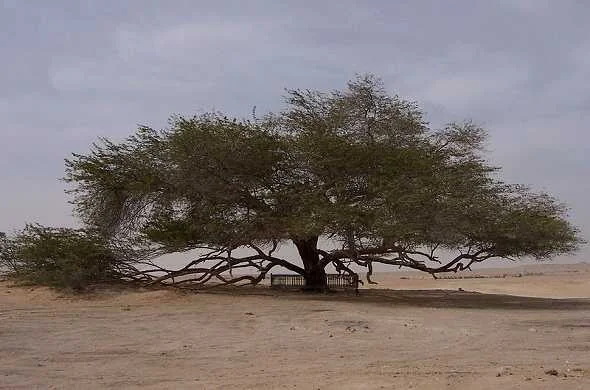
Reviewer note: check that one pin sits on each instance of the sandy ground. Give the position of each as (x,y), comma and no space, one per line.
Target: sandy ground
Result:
(410,332)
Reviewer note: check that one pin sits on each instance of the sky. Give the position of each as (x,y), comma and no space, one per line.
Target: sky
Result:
(73,71)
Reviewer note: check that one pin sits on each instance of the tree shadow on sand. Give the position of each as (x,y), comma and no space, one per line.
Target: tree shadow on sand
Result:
(469,300)
(446,299)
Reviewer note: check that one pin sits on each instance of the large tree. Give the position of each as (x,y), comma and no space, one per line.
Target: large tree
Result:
(358,167)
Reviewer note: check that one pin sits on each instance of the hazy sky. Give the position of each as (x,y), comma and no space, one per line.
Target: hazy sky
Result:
(72,71)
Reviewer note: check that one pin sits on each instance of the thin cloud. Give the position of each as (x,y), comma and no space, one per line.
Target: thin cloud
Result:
(73,71)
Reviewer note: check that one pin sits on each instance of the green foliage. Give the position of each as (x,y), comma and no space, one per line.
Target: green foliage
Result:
(358,166)
(58,257)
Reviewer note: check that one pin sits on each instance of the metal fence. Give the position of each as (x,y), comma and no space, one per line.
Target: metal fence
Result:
(344,281)
(287,281)
(333,281)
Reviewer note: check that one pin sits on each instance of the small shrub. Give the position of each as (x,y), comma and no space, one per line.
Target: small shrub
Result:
(58,257)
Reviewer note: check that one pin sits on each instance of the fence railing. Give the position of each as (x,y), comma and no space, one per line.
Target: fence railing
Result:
(333,281)
(287,281)
(344,281)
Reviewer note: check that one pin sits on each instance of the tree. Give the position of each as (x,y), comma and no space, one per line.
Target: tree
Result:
(358,167)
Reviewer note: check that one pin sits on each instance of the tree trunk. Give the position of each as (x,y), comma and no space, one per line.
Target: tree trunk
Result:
(315,276)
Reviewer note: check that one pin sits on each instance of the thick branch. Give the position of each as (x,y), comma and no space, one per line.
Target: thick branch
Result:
(402,257)
(200,271)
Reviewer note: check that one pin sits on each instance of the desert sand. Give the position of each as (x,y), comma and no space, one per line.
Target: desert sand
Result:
(505,329)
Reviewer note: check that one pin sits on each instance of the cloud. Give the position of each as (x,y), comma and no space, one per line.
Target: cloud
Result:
(182,42)
(73,71)
(527,5)
(463,87)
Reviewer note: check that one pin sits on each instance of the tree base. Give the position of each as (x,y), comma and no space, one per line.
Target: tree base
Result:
(316,289)
(316,282)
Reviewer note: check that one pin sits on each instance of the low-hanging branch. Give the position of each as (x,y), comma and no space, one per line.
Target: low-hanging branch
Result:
(213,267)
(216,269)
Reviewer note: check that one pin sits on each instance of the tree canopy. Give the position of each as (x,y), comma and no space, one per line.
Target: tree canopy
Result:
(359,167)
